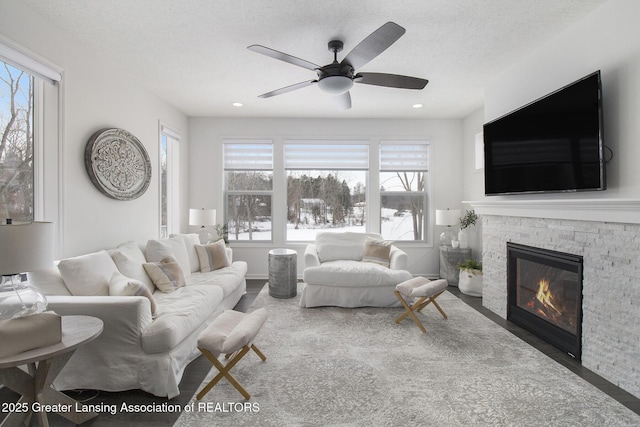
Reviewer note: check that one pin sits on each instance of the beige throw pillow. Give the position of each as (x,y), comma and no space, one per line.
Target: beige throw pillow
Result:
(213,256)
(121,285)
(166,274)
(377,251)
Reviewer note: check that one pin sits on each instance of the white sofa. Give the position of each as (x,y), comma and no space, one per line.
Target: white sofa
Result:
(341,270)
(138,350)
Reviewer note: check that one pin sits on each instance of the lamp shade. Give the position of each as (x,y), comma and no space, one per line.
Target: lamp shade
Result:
(202,217)
(25,247)
(447,216)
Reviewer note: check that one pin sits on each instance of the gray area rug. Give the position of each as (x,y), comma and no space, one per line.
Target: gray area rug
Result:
(355,367)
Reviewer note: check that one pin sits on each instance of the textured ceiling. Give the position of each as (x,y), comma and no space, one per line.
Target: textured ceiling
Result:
(193,53)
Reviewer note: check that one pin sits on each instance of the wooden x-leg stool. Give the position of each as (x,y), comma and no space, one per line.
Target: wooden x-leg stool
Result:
(231,334)
(426,291)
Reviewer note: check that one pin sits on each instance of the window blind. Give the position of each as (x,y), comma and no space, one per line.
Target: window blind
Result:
(330,156)
(248,155)
(404,157)
(29,62)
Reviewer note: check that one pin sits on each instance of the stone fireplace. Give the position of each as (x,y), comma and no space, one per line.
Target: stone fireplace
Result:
(606,235)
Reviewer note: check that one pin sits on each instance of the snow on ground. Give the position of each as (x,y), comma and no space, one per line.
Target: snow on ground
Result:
(395,226)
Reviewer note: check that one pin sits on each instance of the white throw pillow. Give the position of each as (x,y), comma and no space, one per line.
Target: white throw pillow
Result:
(121,285)
(88,274)
(129,258)
(49,281)
(190,241)
(158,250)
(340,246)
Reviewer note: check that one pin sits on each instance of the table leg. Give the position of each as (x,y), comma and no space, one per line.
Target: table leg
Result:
(37,388)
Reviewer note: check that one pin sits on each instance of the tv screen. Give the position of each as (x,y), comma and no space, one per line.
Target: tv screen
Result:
(553,144)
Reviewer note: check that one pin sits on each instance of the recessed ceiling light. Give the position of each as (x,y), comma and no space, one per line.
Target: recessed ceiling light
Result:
(237,104)
(417,105)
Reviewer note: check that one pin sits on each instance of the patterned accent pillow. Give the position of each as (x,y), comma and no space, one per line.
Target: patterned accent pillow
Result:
(121,285)
(166,274)
(377,251)
(212,256)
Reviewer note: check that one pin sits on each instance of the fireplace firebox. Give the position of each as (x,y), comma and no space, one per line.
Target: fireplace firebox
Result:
(544,293)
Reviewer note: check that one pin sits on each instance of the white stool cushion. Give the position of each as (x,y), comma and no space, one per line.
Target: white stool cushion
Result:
(421,287)
(231,331)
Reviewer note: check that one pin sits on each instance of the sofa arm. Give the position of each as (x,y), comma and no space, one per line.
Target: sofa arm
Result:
(311,258)
(124,317)
(398,259)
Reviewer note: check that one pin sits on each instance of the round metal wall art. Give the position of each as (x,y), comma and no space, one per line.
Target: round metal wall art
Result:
(118,164)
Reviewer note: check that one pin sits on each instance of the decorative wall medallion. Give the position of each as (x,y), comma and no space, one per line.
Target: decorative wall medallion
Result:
(118,164)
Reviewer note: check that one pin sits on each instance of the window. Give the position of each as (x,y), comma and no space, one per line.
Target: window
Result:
(169,180)
(403,197)
(28,114)
(16,144)
(326,183)
(248,166)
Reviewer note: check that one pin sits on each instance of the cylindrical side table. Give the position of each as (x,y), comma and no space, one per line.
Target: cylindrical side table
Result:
(449,259)
(283,273)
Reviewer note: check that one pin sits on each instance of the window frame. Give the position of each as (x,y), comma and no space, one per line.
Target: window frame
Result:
(172,185)
(405,162)
(359,151)
(250,164)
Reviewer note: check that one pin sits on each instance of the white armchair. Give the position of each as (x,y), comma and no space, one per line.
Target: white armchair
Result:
(348,270)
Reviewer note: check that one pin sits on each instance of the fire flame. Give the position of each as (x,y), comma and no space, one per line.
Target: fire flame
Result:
(544,295)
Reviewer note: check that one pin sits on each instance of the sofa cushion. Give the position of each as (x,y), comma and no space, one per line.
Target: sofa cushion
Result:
(212,256)
(157,250)
(49,281)
(166,274)
(122,285)
(226,278)
(377,251)
(190,241)
(178,315)
(348,245)
(129,258)
(353,274)
(231,331)
(88,274)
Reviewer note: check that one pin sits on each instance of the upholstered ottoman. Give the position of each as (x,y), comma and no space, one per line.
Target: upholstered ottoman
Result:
(232,334)
(425,290)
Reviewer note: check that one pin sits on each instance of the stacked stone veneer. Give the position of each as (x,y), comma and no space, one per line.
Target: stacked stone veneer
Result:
(611,284)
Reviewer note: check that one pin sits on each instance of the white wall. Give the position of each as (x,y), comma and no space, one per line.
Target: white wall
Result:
(473,179)
(607,40)
(206,189)
(97,94)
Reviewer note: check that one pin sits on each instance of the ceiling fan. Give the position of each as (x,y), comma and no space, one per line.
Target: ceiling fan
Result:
(338,77)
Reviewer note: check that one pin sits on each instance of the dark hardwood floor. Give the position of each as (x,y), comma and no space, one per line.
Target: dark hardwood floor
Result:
(198,369)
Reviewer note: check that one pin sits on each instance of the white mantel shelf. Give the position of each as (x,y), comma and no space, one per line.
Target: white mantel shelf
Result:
(603,210)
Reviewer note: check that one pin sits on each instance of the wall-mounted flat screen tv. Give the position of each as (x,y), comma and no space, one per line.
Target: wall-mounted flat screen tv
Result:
(553,144)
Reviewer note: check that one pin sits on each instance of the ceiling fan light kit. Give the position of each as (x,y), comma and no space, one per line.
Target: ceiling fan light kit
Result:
(338,78)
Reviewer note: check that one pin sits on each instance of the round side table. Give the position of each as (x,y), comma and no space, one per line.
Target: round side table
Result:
(44,364)
(283,273)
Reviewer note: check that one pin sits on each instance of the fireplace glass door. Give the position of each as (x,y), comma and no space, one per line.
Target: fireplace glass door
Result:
(545,295)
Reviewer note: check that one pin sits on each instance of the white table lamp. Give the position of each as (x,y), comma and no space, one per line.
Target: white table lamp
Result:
(447,217)
(25,247)
(203,218)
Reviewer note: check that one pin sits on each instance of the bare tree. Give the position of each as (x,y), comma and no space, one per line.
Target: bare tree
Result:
(414,182)
(16,144)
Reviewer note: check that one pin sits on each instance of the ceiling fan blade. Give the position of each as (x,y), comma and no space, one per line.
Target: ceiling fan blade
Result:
(390,80)
(372,46)
(343,101)
(287,89)
(283,57)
